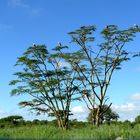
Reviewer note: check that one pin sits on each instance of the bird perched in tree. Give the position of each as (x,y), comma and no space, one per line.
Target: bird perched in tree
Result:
(59,44)
(34,44)
(136,26)
(107,27)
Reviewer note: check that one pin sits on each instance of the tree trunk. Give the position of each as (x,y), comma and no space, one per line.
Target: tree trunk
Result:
(67,121)
(98,117)
(61,124)
(93,116)
(66,124)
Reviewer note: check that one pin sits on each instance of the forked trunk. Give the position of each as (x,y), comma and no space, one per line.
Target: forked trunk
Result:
(63,124)
(60,124)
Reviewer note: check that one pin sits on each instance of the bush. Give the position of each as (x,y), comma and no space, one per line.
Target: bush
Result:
(137,119)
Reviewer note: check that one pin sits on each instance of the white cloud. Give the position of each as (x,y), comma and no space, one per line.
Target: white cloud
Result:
(127,111)
(79,109)
(18,3)
(135,97)
(80,113)
(127,107)
(25,6)
(130,109)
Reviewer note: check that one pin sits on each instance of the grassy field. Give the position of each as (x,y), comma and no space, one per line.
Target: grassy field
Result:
(42,132)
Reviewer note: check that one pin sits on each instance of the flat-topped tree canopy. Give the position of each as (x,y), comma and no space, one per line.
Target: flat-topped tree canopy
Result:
(96,64)
(52,87)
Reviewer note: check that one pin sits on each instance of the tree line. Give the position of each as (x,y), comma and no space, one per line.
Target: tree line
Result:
(80,72)
(110,117)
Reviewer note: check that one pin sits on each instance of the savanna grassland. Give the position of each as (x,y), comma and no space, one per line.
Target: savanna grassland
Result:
(79,131)
(85,77)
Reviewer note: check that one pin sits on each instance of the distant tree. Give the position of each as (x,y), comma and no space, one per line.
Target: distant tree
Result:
(96,65)
(11,118)
(36,121)
(107,115)
(50,84)
(137,119)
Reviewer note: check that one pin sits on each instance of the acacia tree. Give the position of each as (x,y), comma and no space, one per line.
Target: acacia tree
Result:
(50,84)
(95,65)
(11,118)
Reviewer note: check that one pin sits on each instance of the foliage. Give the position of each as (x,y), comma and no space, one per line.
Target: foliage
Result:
(54,80)
(137,119)
(95,65)
(52,87)
(11,119)
(107,115)
(43,129)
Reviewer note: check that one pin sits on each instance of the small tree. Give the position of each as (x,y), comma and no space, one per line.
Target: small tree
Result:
(107,115)
(50,84)
(95,65)
(137,119)
(11,118)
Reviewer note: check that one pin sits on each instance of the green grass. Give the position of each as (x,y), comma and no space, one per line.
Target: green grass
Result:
(42,132)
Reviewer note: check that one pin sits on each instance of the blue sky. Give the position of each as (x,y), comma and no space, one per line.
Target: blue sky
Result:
(24,22)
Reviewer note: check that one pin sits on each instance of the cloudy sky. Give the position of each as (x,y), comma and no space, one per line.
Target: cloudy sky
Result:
(24,22)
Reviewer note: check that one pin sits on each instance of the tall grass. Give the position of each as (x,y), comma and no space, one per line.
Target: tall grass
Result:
(44,132)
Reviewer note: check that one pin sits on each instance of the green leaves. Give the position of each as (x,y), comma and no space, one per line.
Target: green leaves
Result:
(20,90)
(50,86)
(60,47)
(54,80)
(14,82)
(84,30)
(101,61)
(11,118)
(112,33)
(83,35)
(37,49)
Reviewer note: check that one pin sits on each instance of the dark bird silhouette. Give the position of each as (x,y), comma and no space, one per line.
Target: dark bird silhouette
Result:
(59,44)
(136,26)
(34,44)
(107,27)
